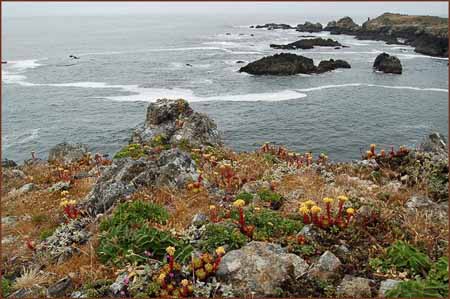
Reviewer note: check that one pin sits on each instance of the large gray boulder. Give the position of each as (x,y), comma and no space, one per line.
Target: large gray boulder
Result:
(172,168)
(175,121)
(260,268)
(387,64)
(67,153)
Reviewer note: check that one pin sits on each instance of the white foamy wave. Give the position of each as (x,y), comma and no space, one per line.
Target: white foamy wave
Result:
(152,94)
(22,65)
(166,50)
(371,85)
(412,56)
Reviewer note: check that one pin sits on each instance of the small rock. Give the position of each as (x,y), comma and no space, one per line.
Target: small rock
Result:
(59,288)
(326,267)
(21,293)
(119,284)
(417,202)
(9,220)
(26,188)
(59,186)
(387,64)
(387,285)
(199,219)
(434,143)
(67,153)
(354,287)
(310,232)
(8,163)
(8,240)
(259,268)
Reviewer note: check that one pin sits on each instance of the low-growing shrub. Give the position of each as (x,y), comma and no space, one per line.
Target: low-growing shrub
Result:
(434,286)
(127,235)
(131,213)
(406,257)
(245,196)
(217,235)
(6,287)
(269,224)
(134,151)
(45,233)
(267,195)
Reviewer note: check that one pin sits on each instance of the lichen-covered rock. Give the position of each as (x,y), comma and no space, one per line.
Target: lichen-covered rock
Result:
(354,287)
(26,188)
(60,288)
(387,285)
(326,267)
(66,153)
(176,122)
(173,168)
(59,186)
(259,268)
(60,246)
(387,64)
(434,143)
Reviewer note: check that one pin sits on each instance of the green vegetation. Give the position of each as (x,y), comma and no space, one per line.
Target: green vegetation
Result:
(220,235)
(245,196)
(127,235)
(434,286)
(6,287)
(134,151)
(267,195)
(45,233)
(407,258)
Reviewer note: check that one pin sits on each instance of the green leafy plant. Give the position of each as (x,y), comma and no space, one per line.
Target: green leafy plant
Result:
(223,234)
(267,195)
(6,287)
(127,235)
(45,233)
(269,224)
(434,286)
(406,257)
(39,219)
(134,212)
(134,151)
(245,196)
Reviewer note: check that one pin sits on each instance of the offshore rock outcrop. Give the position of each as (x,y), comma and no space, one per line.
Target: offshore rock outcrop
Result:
(309,27)
(290,64)
(343,26)
(308,44)
(272,26)
(176,122)
(387,64)
(428,34)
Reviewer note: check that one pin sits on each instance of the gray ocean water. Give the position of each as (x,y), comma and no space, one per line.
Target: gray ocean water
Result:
(127,61)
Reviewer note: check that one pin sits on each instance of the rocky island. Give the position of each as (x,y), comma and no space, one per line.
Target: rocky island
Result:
(176,213)
(427,34)
(290,64)
(308,43)
(387,64)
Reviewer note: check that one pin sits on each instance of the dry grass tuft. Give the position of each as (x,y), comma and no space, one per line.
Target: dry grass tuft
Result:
(30,278)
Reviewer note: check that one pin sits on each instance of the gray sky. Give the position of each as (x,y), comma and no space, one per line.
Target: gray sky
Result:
(21,9)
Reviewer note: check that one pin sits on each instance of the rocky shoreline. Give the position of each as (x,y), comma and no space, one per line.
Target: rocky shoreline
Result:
(427,34)
(175,213)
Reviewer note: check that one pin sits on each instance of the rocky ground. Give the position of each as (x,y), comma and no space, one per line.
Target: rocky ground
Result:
(175,213)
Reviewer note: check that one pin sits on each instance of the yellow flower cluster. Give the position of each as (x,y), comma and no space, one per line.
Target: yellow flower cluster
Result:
(65,201)
(220,250)
(170,250)
(239,203)
(342,198)
(328,200)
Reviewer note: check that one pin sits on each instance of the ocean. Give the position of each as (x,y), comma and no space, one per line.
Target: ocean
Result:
(125,62)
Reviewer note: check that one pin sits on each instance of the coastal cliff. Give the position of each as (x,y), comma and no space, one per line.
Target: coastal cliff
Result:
(176,213)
